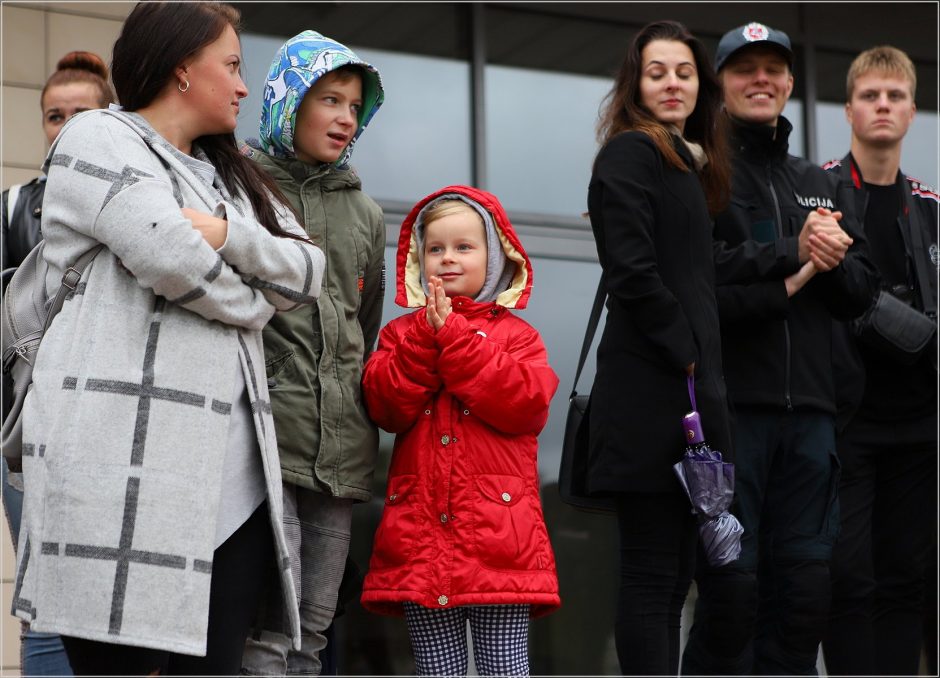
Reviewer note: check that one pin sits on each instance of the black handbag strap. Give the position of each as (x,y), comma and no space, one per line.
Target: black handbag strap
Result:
(599,299)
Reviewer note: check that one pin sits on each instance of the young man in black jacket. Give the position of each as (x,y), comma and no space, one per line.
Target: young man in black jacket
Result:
(789,257)
(888,491)
(24,234)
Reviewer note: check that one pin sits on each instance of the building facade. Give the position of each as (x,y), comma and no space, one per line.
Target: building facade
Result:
(505,96)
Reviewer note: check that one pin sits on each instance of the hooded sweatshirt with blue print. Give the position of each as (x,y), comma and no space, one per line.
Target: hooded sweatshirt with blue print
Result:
(298,64)
(314,357)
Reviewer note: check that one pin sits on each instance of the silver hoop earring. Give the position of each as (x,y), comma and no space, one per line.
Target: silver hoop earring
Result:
(180,87)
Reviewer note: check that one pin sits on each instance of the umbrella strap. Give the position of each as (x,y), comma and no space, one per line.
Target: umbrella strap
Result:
(691,381)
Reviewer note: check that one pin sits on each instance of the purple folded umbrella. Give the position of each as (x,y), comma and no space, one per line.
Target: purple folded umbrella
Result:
(709,483)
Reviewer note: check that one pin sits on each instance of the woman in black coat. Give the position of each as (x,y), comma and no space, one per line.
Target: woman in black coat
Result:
(661,171)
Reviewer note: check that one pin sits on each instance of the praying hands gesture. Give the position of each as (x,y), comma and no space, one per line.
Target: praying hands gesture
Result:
(439,305)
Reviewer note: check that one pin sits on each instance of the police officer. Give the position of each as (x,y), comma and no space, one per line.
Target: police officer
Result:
(789,258)
(888,492)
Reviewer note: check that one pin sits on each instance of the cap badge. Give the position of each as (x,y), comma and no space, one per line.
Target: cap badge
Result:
(755,31)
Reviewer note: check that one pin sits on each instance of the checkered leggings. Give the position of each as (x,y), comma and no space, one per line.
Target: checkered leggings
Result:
(439,639)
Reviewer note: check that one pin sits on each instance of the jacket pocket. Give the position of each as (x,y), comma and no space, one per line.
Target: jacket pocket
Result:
(395,538)
(506,524)
(274,365)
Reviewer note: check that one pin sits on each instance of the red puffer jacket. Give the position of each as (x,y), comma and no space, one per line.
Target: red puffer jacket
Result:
(463,522)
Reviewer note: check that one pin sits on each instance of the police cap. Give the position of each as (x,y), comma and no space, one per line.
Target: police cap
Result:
(754,33)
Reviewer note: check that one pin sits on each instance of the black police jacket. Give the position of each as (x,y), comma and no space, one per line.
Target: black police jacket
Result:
(21,231)
(775,349)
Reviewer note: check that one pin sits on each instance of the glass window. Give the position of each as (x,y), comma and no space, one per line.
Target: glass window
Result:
(833,130)
(558,285)
(419,140)
(540,139)
(553,39)
(793,112)
(436,29)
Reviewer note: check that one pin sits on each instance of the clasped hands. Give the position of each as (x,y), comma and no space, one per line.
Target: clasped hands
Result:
(822,241)
(822,247)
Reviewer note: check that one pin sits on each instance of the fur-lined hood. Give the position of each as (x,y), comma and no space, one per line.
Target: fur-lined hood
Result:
(410,290)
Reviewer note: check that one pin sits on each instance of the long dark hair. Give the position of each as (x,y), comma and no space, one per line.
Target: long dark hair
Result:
(84,67)
(622,110)
(155,39)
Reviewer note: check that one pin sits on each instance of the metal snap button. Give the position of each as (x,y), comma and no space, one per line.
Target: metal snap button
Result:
(506,496)
(443,517)
(442,600)
(393,497)
(445,439)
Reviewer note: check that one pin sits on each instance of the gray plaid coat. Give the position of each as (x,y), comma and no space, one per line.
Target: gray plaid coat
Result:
(125,428)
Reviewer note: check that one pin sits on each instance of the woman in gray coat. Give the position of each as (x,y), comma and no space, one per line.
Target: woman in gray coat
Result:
(153,493)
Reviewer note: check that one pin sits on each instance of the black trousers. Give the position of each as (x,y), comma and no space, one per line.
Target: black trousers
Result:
(240,569)
(888,496)
(766,613)
(658,537)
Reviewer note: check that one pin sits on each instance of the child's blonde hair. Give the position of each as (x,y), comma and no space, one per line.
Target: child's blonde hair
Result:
(881,59)
(447,207)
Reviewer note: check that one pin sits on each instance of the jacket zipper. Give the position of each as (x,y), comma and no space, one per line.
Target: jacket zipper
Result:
(786,323)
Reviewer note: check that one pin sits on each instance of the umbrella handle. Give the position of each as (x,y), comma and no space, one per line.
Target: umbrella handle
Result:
(691,382)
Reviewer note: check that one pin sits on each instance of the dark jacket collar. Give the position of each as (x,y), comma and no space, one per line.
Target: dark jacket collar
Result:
(761,142)
(921,273)
(851,170)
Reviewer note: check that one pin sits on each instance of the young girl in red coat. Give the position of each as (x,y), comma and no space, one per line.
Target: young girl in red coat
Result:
(465,385)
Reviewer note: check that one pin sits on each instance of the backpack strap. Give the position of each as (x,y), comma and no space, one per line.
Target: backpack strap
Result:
(69,282)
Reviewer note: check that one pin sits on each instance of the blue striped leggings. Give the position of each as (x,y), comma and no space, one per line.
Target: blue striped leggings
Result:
(500,636)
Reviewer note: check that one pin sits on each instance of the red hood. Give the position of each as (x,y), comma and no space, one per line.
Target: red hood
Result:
(409,292)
